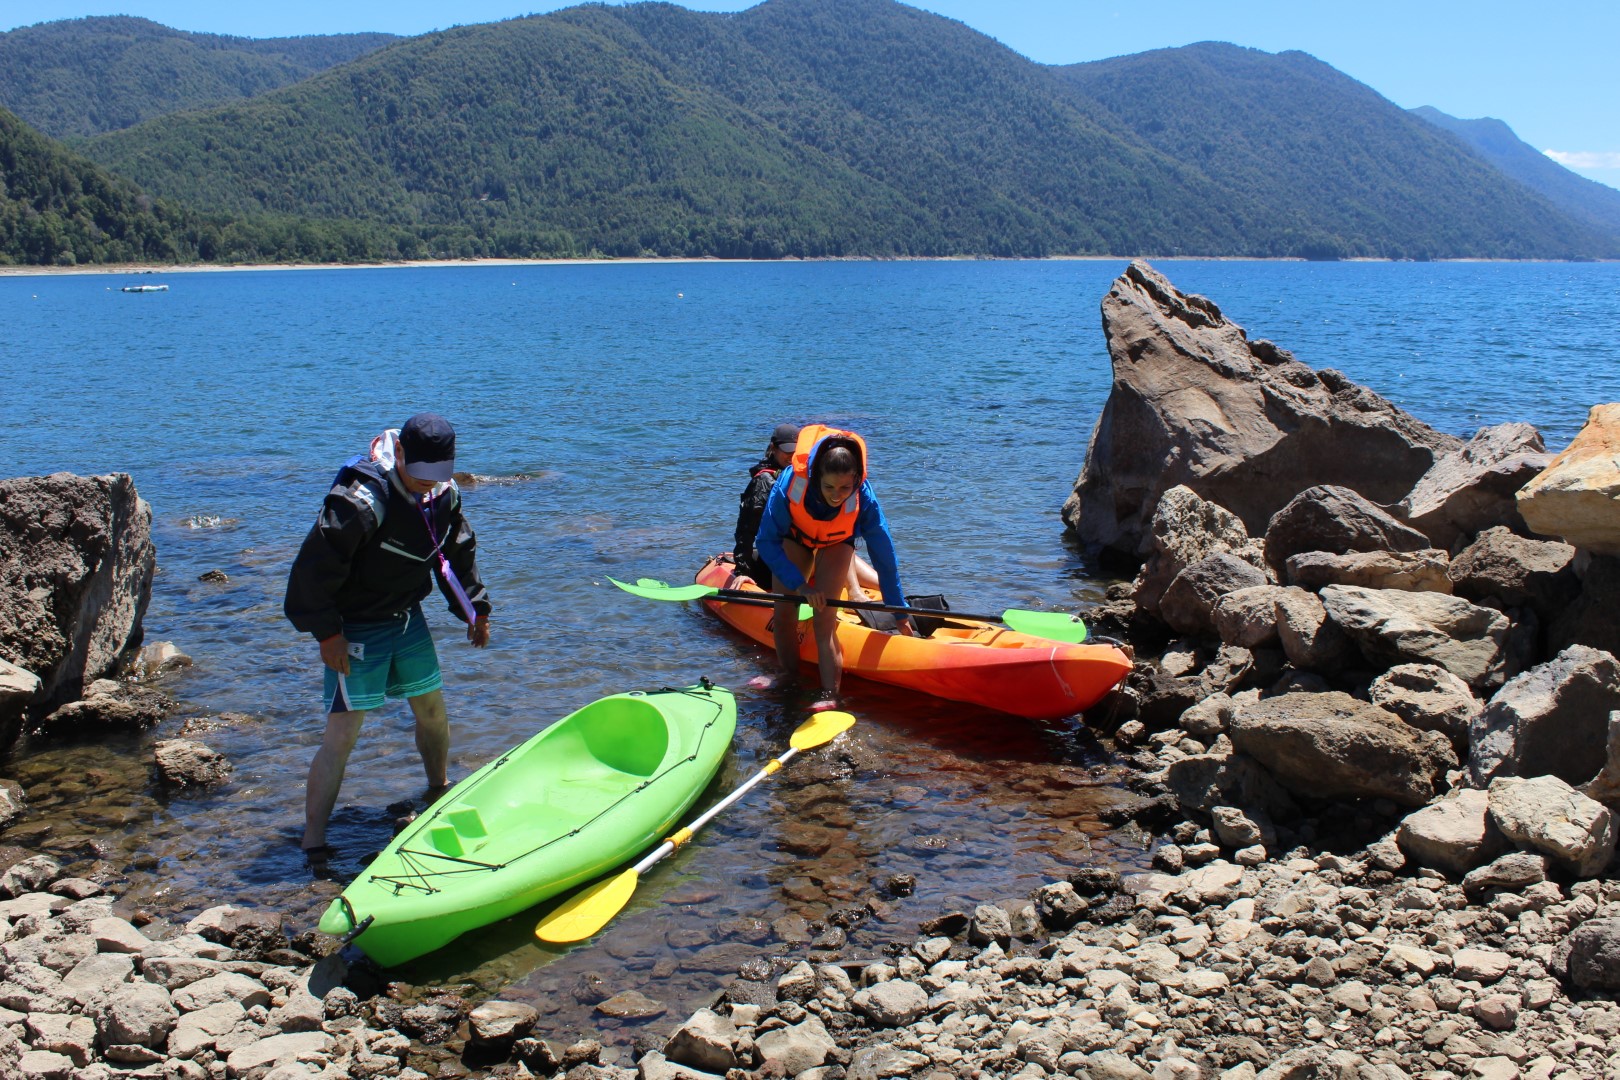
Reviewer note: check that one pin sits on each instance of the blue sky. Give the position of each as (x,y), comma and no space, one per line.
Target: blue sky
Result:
(1547,69)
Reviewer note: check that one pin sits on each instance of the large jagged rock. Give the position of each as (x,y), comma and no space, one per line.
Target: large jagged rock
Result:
(1577,497)
(1183,530)
(1473,488)
(76,565)
(1241,423)
(1327,746)
(1551,720)
(1337,520)
(1393,627)
(1506,570)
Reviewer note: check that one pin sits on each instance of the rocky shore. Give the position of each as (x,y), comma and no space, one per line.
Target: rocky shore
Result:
(1373,733)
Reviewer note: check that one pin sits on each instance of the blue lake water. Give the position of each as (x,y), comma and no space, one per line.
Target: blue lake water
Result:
(617,407)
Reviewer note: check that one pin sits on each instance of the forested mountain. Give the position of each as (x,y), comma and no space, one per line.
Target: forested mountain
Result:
(60,209)
(81,77)
(1572,193)
(838,127)
(1339,170)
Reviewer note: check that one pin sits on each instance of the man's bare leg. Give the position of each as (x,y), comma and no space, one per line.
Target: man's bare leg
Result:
(326,773)
(432,737)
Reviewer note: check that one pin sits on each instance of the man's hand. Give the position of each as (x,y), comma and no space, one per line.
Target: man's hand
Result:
(902,623)
(478,632)
(335,653)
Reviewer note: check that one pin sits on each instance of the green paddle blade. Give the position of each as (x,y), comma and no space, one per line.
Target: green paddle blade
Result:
(653,589)
(1052,625)
(589,911)
(821,728)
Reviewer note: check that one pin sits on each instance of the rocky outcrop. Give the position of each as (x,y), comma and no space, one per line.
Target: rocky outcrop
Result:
(1577,497)
(76,565)
(1327,746)
(1393,627)
(1473,488)
(1240,422)
(1551,720)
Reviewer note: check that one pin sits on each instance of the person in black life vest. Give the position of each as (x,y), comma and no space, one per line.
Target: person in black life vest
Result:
(751,509)
(815,512)
(388,527)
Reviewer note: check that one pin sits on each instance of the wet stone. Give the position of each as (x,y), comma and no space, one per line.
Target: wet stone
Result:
(631,1005)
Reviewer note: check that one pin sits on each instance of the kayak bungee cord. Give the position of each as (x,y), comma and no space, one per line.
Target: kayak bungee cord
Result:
(421,874)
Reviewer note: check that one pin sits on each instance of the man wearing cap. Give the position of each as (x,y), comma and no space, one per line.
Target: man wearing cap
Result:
(778,456)
(390,525)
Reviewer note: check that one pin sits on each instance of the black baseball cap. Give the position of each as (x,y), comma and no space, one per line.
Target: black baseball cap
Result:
(429,443)
(785,437)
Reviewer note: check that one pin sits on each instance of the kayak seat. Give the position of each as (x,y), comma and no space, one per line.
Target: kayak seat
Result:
(626,734)
(460,827)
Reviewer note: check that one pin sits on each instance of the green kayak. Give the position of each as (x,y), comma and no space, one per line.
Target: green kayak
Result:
(568,805)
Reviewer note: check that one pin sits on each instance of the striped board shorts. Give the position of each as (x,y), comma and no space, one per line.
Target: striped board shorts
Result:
(393,658)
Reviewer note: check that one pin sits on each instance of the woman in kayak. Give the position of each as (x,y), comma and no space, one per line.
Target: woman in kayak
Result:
(815,512)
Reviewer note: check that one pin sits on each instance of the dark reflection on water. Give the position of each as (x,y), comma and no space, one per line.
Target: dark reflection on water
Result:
(617,409)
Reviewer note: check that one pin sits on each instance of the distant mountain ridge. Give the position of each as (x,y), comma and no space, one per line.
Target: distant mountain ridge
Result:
(1572,193)
(816,128)
(81,77)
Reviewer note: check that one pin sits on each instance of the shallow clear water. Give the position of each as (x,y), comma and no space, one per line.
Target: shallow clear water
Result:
(616,408)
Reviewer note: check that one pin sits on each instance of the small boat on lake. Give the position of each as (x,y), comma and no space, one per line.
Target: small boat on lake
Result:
(963,659)
(597,787)
(145,288)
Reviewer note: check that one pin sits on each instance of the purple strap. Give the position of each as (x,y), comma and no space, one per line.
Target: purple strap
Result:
(449,575)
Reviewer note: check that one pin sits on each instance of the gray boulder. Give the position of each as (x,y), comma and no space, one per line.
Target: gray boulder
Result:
(76,566)
(1327,746)
(1241,423)
(1183,530)
(1551,720)
(1413,571)
(1188,605)
(1205,781)
(1604,787)
(1454,834)
(1545,814)
(1510,571)
(1428,697)
(1472,488)
(18,689)
(1594,955)
(707,1042)
(1393,627)
(1310,640)
(796,1048)
(1247,618)
(1337,520)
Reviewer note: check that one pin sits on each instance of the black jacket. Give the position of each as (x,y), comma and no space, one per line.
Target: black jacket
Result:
(751,507)
(369,555)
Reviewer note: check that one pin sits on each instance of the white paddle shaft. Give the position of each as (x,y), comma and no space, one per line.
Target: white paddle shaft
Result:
(703,819)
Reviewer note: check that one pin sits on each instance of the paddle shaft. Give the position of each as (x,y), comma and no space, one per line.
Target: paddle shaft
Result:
(668,846)
(747,596)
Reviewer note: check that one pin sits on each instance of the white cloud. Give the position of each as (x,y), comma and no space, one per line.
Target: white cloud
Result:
(1585,159)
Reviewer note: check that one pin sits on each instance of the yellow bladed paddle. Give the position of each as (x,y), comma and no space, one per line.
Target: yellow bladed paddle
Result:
(587,912)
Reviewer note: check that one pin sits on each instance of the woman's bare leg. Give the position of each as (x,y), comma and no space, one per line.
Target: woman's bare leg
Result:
(785,625)
(832,565)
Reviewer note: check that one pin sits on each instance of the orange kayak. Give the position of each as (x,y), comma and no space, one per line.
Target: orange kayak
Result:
(977,662)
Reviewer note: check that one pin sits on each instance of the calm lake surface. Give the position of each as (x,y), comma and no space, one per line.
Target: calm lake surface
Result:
(614,410)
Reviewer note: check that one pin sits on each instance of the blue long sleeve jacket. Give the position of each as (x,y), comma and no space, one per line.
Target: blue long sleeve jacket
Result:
(870,525)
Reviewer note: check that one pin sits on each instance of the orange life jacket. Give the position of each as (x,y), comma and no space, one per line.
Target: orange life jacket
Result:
(807,530)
